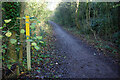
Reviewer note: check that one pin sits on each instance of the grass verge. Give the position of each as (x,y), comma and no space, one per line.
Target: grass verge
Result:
(108,48)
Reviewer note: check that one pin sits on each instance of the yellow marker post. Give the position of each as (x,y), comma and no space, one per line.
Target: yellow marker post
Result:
(27,27)
(28,43)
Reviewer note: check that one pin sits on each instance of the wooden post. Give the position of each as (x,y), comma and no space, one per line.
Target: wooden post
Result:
(28,43)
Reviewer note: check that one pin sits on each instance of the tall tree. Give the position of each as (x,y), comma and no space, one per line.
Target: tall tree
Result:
(77,14)
(21,35)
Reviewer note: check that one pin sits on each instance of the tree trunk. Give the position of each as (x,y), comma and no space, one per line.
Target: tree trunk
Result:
(12,52)
(87,17)
(21,35)
(76,15)
(0,41)
(88,20)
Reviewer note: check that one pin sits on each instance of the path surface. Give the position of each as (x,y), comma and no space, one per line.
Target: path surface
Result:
(81,60)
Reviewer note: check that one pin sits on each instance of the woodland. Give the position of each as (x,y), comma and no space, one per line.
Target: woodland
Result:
(96,23)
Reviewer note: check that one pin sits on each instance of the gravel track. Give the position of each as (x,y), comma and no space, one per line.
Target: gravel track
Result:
(81,61)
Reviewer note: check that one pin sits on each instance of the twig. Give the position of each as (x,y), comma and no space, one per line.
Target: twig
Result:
(9,69)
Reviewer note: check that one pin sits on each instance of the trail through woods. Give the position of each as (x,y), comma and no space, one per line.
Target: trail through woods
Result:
(82,61)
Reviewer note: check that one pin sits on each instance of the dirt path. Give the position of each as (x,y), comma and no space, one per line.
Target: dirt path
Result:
(81,60)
